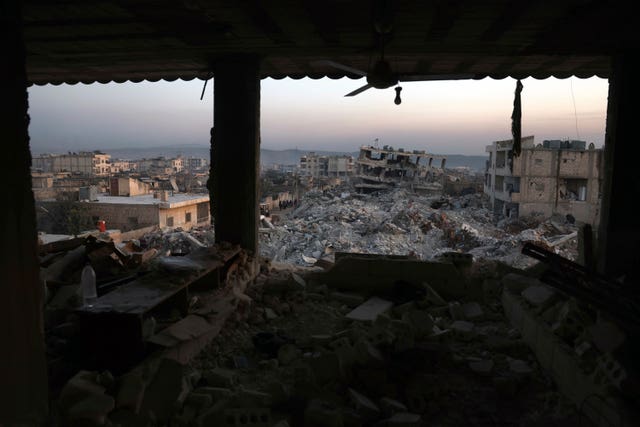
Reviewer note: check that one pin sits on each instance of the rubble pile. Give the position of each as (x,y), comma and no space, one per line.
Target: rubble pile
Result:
(402,223)
(307,354)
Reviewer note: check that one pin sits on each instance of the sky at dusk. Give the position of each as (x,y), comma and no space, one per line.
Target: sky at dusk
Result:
(442,117)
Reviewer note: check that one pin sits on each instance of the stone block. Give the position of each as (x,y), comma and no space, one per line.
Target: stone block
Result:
(432,297)
(370,309)
(81,386)
(538,295)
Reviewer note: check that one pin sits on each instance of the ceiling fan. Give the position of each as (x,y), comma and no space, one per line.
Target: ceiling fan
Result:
(381,75)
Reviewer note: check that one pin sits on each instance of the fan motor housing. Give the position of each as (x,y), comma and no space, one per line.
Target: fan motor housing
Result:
(381,77)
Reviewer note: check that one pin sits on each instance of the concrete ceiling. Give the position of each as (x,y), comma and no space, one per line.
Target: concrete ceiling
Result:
(86,41)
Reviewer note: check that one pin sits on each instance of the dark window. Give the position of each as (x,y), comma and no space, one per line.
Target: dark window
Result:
(169,221)
(187,217)
(132,220)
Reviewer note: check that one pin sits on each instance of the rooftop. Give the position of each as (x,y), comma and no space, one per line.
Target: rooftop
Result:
(173,201)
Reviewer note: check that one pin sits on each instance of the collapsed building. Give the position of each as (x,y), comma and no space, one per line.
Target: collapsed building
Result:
(407,342)
(383,168)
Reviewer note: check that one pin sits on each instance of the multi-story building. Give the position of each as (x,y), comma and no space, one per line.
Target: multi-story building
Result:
(88,163)
(555,177)
(195,163)
(316,166)
(120,166)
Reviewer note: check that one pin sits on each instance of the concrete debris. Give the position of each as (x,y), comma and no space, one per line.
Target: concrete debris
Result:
(370,309)
(538,295)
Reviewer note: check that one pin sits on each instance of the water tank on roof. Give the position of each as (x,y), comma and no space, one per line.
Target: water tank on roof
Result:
(88,193)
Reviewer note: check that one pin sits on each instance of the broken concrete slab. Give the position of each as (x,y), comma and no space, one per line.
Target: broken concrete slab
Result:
(370,309)
(378,273)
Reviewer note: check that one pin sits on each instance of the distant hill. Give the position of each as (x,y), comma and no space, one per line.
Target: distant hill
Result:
(267,156)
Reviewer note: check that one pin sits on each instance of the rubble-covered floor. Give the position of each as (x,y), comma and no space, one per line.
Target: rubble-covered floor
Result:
(283,340)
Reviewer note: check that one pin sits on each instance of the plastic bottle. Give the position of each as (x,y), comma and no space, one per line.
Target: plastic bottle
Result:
(88,284)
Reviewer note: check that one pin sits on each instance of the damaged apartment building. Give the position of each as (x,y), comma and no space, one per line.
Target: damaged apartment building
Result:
(383,168)
(555,177)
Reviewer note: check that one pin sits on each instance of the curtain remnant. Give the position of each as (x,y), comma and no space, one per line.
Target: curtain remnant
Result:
(516,121)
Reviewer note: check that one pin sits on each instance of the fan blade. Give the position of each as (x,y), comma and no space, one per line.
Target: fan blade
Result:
(340,67)
(427,77)
(360,89)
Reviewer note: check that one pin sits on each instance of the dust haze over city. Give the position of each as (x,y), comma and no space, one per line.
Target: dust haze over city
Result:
(443,117)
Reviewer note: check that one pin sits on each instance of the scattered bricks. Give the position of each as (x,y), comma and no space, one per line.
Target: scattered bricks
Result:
(320,413)
(421,321)
(348,299)
(455,310)
(402,419)
(220,377)
(91,410)
(538,295)
(216,393)
(287,353)
(130,392)
(390,406)
(462,329)
(364,406)
(254,417)
(481,367)
(472,311)
(370,309)
(166,392)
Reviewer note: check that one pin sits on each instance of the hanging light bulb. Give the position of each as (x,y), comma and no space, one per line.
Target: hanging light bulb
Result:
(398,101)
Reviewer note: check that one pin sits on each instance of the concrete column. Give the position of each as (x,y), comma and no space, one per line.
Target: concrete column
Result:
(618,239)
(23,375)
(235,151)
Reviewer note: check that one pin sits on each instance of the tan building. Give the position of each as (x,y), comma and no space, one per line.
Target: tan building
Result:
(88,163)
(555,177)
(125,186)
(313,165)
(161,208)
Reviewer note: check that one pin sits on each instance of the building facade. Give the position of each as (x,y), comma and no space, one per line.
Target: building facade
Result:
(88,163)
(315,166)
(555,177)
